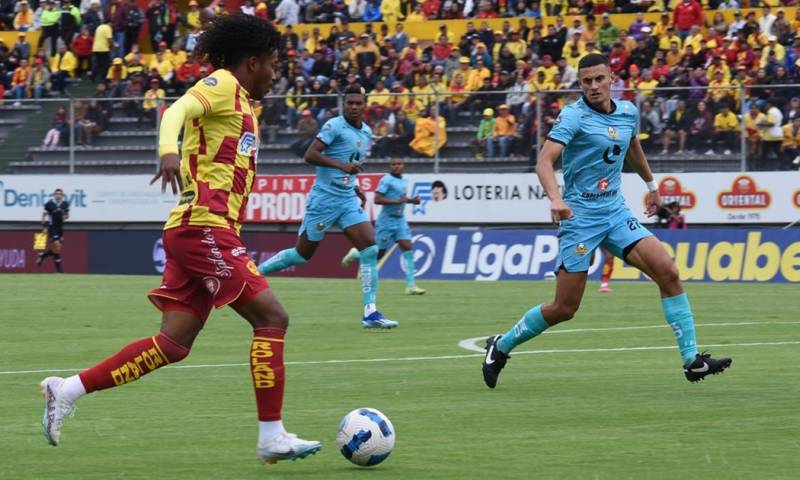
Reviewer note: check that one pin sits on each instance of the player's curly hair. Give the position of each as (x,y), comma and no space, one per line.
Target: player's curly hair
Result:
(229,39)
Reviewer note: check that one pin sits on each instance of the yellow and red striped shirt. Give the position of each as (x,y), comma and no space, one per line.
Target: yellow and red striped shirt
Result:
(219,153)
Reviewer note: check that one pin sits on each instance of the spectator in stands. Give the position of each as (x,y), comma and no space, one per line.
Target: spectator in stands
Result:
(135,66)
(81,53)
(772,136)
(135,18)
(153,103)
(19,81)
(701,129)
(400,135)
(93,17)
(726,129)
(187,75)
(428,129)
(117,76)
(287,12)
(295,101)
(753,130)
(650,126)
(790,148)
(39,79)
(161,19)
(95,121)
(687,13)
(118,13)
(23,20)
(69,21)
(133,89)
(62,66)
(607,34)
(678,123)
(50,19)
(164,67)
(307,129)
(483,138)
(21,48)
(676,220)
(101,49)
(504,133)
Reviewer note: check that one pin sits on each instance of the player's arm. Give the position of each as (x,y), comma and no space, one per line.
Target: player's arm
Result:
(361,196)
(638,162)
(380,199)
(169,169)
(314,156)
(550,153)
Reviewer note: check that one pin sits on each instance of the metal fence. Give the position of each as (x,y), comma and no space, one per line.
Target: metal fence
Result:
(697,128)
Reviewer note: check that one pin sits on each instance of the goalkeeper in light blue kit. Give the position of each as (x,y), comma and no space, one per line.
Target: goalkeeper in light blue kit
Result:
(391,226)
(593,137)
(335,199)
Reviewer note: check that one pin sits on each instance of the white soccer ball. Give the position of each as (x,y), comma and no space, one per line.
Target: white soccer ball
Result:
(365,437)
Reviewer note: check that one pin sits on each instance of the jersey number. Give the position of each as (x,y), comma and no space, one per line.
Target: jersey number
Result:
(633,224)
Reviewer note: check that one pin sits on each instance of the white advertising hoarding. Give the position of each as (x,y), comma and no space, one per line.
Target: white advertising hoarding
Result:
(721,198)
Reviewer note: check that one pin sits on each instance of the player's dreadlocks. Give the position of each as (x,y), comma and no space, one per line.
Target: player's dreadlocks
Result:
(229,39)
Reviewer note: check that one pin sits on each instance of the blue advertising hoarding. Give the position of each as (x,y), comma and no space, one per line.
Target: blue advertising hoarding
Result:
(717,255)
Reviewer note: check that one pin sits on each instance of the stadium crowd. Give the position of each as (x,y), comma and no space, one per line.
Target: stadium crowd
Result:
(728,73)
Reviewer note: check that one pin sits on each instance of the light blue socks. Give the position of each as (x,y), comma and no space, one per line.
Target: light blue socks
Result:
(530,325)
(281,261)
(679,316)
(409,267)
(368,269)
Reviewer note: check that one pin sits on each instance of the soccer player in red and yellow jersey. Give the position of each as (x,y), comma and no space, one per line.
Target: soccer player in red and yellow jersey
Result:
(207,263)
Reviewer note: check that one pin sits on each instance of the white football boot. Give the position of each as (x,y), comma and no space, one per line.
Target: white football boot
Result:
(286,446)
(56,408)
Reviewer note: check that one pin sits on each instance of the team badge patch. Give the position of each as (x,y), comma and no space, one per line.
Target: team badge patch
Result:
(320,226)
(612,133)
(247,144)
(210,81)
(580,249)
(602,185)
(211,284)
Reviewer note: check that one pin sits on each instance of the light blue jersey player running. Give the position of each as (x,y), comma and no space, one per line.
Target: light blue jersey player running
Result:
(593,137)
(338,152)
(391,226)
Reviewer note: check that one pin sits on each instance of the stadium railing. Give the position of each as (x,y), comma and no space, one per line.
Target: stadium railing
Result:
(105,135)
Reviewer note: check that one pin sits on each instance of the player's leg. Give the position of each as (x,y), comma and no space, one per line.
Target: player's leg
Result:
(569,292)
(362,237)
(637,246)
(180,325)
(57,254)
(404,243)
(269,321)
(298,255)
(608,270)
(47,253)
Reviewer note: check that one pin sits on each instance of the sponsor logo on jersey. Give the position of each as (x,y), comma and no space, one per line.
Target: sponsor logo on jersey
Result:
(602,184)
(210,81)
(744,194)
(247,144)
(238,251)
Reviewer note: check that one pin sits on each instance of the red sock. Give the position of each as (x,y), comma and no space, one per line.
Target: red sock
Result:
(139,358)
(608,269)
(269,375)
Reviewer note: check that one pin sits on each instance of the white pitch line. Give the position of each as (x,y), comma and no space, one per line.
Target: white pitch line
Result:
(433,358)
(469,343)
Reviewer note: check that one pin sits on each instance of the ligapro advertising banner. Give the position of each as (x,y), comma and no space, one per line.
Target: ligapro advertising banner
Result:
(723,198)
(717,255)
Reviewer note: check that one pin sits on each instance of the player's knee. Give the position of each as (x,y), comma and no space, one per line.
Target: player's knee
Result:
(171,348)
(669,276)
(564,311)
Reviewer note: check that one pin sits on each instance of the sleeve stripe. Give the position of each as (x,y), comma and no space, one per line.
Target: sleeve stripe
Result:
(199,96)
(555,140)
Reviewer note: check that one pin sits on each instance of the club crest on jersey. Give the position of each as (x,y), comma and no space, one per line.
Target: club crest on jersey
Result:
(320,226)
(612,133)
(211,284)
(210,81)
(247,144)
(581,249)
(602,185)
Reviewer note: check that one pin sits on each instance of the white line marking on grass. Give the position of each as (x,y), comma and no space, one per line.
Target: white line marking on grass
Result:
(469,343)
(431,358)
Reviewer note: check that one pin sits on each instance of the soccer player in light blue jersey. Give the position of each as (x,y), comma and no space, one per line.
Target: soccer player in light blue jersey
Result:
(593,136)
(337,152)
(391,226)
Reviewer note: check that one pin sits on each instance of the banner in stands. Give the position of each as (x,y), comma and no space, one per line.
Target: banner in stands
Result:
(717,255)
(18,256)
(715,198)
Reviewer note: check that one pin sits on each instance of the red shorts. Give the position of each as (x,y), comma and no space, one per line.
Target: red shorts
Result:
(206,267)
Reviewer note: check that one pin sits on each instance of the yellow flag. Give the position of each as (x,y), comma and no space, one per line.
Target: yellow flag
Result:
(40,240)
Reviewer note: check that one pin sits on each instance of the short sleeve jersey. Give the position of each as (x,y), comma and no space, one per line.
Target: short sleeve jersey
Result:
(345,143)
(392,188)
(219,152)
(56,211)
(595,145)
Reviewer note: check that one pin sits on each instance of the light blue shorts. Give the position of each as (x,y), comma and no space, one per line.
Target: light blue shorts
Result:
(579,236)
(324,211)
(390,231)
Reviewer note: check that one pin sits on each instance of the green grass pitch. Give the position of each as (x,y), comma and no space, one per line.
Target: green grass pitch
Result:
(597,406)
